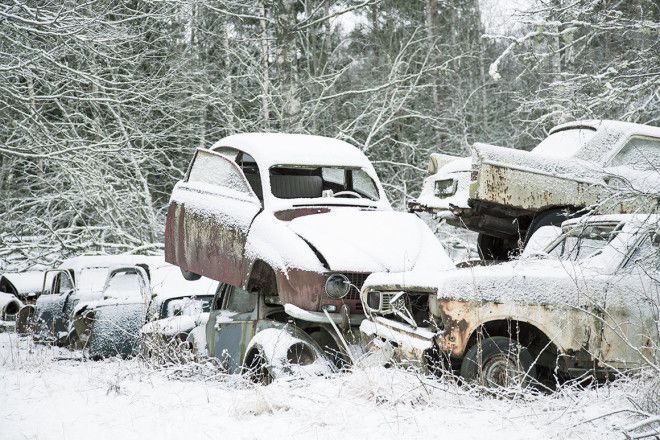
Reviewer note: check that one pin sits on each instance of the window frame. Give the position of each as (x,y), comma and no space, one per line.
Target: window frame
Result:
(249,193)
(619,149)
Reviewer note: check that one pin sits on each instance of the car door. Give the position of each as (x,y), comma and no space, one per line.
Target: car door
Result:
(50,306)
(209,218)
(630,329)
(231,325)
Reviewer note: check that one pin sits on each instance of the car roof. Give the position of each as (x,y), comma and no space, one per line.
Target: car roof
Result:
(23,282)
(111,261)
(612,126)
(270,149)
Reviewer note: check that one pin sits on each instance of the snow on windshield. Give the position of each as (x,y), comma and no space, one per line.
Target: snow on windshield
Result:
(91,279)
(124,286)
(584,242)
(565,143)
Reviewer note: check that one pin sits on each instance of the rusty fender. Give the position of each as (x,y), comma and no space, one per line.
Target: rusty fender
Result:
(571,330)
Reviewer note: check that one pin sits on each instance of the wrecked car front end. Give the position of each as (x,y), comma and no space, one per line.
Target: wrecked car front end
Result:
(401,318)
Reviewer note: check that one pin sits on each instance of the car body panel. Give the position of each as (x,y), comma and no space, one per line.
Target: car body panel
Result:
(598,174)
(599,312)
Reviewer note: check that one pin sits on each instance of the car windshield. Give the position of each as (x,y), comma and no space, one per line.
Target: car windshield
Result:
(584,242)
(565,143)
(289,182)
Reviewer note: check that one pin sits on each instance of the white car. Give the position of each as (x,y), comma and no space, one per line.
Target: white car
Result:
(447,187)
(587,302)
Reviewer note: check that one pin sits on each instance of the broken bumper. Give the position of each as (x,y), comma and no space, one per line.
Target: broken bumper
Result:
(320,317)
(410,344)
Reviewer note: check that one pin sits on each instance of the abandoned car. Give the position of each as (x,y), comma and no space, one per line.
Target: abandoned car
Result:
(112,325)
(176,308)
(588,303)
(609,165)
(446,187)
(78,279)
(300,218)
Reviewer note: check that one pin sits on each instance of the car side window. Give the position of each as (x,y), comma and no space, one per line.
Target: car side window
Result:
(239,301)
(642,153)
(214,169)
(251,172)
(219,296)
(62,283)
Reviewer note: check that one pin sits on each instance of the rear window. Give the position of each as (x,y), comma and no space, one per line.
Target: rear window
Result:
(565,143)
(314,182)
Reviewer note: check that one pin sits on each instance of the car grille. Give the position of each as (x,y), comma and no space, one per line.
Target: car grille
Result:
(356,280)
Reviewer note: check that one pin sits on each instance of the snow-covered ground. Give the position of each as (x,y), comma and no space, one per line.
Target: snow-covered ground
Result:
(49,393)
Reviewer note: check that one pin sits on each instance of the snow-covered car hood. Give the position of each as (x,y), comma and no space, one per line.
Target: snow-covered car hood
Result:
(173,325)
(526,281)
(372,241)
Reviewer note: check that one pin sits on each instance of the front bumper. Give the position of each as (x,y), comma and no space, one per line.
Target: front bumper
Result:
(410,343)
(320,317)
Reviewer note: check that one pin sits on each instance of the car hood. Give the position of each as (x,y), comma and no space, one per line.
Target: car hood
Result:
(538,281)
(372,241)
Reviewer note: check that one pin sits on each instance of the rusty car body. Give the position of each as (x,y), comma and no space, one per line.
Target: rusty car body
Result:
(589,303)
(579,167)
(298,217)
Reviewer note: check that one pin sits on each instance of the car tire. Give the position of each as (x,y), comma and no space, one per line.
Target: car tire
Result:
(25,320)
(190,276)
(498,361)
(256,367)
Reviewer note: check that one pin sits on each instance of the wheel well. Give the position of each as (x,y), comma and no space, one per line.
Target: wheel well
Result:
(262,278)
(542,349)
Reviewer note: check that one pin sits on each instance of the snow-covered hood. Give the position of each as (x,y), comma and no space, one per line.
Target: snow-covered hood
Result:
(525,281)
(372,241)
(175,324)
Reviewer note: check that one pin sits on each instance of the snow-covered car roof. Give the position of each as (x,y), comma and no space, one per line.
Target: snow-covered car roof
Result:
(610,125)
(83,261)
(270,149)
(22,283)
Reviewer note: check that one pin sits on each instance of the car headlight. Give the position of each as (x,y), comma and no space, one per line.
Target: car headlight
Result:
(337,286)
(373,300)
(445,187)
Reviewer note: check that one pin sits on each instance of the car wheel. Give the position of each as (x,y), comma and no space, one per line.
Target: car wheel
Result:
(256,367)
(25,322)
(281,352)
(498,362)
(190,276)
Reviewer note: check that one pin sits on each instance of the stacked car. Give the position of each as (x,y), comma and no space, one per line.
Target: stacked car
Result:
(283,255)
